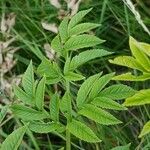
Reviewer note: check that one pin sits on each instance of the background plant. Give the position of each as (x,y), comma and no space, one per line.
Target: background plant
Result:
(140,62)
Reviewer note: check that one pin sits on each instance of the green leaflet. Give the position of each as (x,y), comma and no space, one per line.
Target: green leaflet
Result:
(46,67)
(129,77)
(117,92)
(50,70)
(67,65)
(39,127)
(63,30)
(145,130)
(28,80)
(13,141)
(98,115)
(99,85)
(71,76)
(77,18)
(145,48)
(128,61)
(85,89)
(40,94)
(54,107)
(140,98)
(82,131)
(21,95)
(65,104)
(139,54)
(83,27)
(50,80)
(82,41)
(3,113)
(105,102)
(27,113)
(125,147)
(86,56)
(56,45)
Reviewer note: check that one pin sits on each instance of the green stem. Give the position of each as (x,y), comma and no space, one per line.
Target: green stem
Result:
(68,140)
(68,136)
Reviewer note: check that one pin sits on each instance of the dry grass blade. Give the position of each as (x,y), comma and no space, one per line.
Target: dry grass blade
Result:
(50,27)
(136,14)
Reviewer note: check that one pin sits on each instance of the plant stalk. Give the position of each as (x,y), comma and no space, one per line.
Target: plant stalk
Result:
(68,140)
